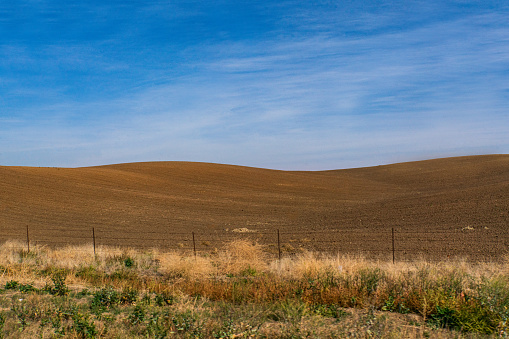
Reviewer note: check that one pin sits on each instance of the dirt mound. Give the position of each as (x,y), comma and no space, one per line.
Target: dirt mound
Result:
(150,201)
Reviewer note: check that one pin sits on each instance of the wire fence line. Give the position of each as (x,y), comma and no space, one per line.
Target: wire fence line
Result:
(399,243)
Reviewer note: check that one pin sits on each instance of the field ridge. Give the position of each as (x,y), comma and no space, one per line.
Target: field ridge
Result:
(440,194)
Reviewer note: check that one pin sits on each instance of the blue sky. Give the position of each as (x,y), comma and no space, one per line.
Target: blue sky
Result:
(301,85)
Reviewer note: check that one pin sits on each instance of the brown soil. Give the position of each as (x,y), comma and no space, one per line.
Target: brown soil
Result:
(438,208)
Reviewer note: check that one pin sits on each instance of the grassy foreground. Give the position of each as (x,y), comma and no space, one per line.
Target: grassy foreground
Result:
(238,292)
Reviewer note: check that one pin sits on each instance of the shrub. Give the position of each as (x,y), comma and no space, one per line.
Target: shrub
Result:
(476,318)
(105,297)
(59,287)
(444,317)
(11,285)
(128,296)
(128,262)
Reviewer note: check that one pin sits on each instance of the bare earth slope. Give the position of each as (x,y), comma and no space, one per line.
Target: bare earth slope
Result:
(171,197)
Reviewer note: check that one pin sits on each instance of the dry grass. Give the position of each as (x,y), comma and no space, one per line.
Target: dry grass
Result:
(234,258)
(175,265)
(309,265)
(321,295)
(240,255)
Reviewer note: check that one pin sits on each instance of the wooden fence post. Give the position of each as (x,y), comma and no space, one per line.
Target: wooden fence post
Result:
(278,245)
(194,247)
(93,238)
(393,255)
(28,241)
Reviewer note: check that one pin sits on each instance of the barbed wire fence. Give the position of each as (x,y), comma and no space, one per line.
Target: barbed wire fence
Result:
(398,244)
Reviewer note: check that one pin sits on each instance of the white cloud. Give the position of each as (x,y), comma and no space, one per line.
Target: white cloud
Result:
(318,101)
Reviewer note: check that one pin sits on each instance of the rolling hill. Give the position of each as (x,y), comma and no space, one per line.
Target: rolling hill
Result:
(159,197)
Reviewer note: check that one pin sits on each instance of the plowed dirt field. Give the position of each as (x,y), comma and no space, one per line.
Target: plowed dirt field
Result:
(437,208)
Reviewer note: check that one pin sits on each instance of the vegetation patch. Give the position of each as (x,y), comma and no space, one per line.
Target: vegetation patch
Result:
(299,297)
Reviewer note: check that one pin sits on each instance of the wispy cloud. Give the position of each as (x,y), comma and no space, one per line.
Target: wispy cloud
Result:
(320,99)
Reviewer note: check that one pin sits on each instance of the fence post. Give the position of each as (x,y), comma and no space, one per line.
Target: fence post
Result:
(93,237)
(194,246)
(278,245)
(393,256)
(28,241)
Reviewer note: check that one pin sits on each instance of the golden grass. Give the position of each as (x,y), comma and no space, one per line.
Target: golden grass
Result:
(308,265)
(243,273)
(176,265)
(233,259)
(240,255)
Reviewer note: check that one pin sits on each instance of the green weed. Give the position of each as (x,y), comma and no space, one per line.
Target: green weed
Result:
(59,287)
(330,311)
(106,297)
(83,326)
(11,285)
(128,296)
(128,262)
(137,316)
